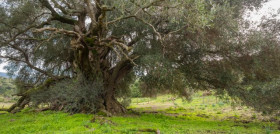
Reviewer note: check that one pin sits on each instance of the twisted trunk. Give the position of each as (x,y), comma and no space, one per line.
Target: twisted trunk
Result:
(96,66)
(108,102)
(92,58)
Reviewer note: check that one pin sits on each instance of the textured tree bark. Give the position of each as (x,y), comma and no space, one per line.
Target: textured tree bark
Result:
(108,103)
(111,103)
(91,68)
(92,58)
(19,105)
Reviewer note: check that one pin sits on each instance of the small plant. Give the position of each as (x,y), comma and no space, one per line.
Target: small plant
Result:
(236,116)
(268,130)
(221,104)
(181,108)
(2,99)
(234,131)
(254,116)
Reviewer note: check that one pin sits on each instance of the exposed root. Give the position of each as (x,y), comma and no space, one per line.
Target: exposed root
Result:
(102,120)
(156,131)
(3,109)
(21,103)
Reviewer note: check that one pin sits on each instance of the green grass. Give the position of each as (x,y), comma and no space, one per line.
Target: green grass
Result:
(210,106)
(160,113)
(58,122)
(44,122)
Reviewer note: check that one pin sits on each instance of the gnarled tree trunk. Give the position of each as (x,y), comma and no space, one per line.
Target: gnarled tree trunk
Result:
(108,102)
(96,66)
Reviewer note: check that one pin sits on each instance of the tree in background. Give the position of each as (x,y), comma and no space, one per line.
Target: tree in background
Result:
(7,88)
(80,56)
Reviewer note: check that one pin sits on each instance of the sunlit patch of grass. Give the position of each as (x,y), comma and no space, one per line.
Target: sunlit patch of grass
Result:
(45,122)
(58,122)
(217,108)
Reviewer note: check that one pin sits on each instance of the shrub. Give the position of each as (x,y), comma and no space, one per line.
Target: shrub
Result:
(69,95)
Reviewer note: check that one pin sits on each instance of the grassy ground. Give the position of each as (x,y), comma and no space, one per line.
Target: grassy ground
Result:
(161,114)
(208,106)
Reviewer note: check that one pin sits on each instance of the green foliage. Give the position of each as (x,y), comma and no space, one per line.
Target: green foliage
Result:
(7,87)
(135,89)
(262,96)
(69,95)
(182,46)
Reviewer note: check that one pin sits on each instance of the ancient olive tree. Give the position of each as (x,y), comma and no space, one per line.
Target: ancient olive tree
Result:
(81,55)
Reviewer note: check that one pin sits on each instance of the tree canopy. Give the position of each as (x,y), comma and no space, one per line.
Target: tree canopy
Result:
(80,56)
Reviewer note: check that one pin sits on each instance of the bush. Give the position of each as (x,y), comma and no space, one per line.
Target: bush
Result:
(69,95)
(135,90)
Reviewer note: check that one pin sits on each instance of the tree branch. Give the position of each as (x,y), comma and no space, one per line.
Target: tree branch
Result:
(154,29)
(62,9)
(120,18)
(56,16)
(75,43)
(91,12)
(27,61)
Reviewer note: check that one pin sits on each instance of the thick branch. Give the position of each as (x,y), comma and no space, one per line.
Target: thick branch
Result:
(91,12)
(55,15)
(121,69)
(62,9)
(62,31)
(58,31)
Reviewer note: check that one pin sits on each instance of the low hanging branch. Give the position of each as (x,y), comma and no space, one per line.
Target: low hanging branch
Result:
(25,96)
(3,109)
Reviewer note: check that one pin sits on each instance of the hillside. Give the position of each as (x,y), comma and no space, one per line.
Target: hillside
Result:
(2,74)
(6,86)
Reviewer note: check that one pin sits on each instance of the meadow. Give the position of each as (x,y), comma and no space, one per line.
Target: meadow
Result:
(164,114)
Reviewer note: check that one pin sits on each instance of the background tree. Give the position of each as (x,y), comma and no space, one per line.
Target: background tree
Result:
(80,56)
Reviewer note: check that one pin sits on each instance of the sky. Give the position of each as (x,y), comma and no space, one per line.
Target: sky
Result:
(273,6)
(1,68)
